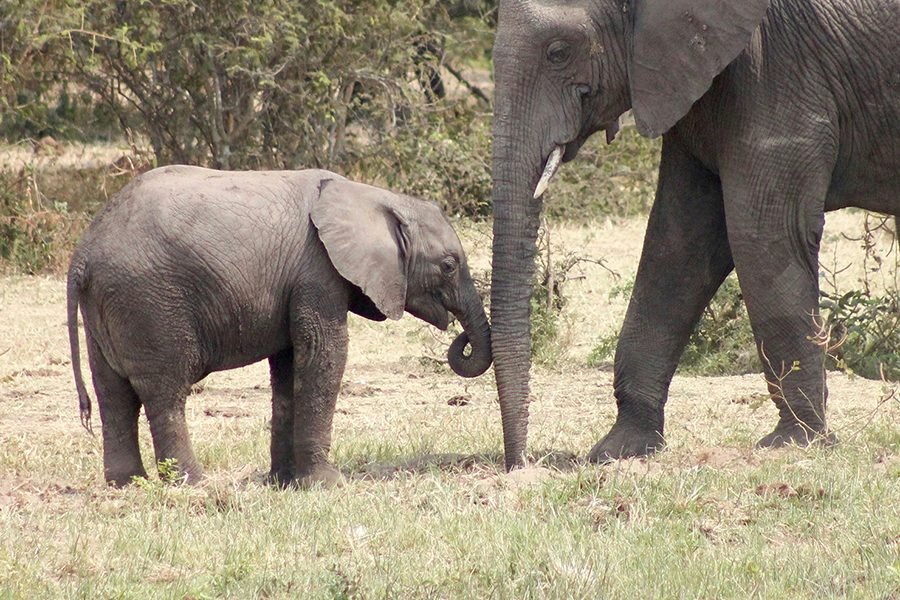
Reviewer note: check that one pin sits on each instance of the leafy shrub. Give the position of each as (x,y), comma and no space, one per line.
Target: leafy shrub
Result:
(722,342)
(247,84)
(864,332)
(861,327)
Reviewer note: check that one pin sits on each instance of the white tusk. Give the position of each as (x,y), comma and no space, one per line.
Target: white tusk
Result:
(549,171)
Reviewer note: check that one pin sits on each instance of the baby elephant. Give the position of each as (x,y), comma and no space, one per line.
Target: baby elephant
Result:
(188,271)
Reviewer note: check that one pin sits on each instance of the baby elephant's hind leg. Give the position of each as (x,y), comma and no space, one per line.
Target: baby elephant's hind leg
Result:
(281,370)
(119,411)
(164,404)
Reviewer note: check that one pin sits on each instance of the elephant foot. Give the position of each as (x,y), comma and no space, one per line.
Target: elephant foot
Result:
(798,434)
(623,441)
(121,478)
(320,474)
(280,478)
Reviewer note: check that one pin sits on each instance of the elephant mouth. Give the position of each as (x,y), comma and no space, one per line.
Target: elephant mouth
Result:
(566,151)
(572,148)
(436,316)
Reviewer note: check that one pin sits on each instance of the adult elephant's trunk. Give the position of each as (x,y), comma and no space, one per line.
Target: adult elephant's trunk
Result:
(517,167)
(476,334)
(532,124)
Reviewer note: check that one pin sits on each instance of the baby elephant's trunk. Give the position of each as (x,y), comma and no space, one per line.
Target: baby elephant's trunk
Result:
(476,335)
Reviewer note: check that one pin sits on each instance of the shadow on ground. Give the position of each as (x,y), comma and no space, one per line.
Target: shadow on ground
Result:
(558,460)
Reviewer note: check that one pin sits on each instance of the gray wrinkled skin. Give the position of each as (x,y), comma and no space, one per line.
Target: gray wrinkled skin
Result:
(771,115)
(188,271)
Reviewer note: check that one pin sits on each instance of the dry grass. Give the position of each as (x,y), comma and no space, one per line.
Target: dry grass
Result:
(426,511)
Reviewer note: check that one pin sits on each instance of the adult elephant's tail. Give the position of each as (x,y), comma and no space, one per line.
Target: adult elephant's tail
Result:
(73,288)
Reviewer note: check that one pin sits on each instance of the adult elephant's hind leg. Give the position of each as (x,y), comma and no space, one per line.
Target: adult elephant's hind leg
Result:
(684,261)
(775,228)
(119,411)
(281,372)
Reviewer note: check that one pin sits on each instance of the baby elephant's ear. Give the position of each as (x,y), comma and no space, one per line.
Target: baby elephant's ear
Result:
(366,239)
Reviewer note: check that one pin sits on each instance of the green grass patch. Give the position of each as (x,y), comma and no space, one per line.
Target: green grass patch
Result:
(791,526)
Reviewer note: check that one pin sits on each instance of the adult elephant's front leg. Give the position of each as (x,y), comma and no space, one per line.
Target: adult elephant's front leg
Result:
(320,354)
(775,223)
(684,261)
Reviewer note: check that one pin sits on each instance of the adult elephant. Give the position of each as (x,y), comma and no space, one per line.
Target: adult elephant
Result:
(771,114)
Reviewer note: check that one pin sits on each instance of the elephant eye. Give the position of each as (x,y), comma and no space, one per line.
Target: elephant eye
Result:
(559,52)
(448,266)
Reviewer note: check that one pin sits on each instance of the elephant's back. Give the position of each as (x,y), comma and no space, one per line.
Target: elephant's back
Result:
(199,209)
(191,248)
(179,225)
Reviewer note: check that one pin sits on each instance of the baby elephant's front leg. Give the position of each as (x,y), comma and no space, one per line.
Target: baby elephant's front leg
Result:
(320,354)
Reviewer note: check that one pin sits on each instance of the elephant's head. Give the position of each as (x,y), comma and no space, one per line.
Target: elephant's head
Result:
(403,254)
(565,69)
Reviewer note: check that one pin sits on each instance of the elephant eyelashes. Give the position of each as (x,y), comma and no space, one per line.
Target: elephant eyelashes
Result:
(448,266)
(559,53)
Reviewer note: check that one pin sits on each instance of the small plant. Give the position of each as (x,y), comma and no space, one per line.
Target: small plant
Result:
(605,350)
(722,342)
(861,327)
(864,333)
(544,329)
(547,300)
(168,471)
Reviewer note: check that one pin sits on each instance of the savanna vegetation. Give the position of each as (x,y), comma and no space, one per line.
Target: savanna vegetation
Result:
(93,92)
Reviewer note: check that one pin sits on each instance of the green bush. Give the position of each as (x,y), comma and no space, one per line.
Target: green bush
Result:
(246,83)
(864,333)
(722,342)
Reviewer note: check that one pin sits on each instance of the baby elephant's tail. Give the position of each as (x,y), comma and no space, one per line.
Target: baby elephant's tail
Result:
(73,287)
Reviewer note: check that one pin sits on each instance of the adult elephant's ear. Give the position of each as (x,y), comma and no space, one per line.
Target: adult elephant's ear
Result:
(679,47)
(367,240)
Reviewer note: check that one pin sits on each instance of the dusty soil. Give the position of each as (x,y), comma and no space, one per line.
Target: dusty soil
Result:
(397,377)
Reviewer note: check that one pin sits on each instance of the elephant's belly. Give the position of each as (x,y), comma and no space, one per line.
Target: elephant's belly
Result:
(876,189)
(242,346)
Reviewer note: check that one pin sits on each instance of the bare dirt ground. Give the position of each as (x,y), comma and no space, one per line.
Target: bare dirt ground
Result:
(397,379)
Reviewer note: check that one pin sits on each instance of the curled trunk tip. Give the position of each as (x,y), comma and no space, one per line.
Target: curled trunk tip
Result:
(471,365)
